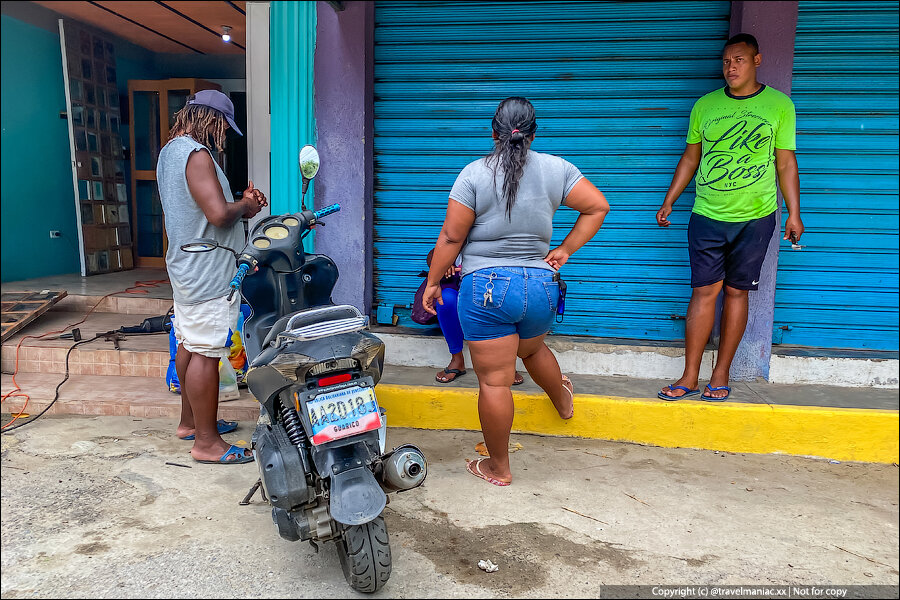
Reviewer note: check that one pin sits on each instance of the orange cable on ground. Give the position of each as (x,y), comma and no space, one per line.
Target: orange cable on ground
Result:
(15,393)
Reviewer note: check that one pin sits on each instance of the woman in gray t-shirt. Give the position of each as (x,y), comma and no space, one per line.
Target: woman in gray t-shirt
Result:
(500,216)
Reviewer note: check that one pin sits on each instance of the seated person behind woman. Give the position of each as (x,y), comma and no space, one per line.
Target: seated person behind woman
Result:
(448,319)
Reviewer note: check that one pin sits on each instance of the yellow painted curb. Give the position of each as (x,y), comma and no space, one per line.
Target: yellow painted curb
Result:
(866,435)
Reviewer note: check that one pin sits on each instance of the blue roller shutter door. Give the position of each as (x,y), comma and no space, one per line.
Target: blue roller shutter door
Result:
(613,84)
(841,290)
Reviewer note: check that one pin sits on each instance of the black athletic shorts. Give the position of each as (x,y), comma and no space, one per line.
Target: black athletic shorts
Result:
(733,252)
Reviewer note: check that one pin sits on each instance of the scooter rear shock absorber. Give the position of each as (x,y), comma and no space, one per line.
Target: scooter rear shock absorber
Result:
(294,428)
(292,425)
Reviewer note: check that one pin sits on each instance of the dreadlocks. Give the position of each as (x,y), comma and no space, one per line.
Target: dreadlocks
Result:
(201,123)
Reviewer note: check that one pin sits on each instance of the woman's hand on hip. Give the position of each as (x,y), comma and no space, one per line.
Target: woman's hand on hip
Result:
(432,292)
(557,257)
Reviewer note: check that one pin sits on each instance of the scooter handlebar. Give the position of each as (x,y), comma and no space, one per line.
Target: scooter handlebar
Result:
(324,212)
(238,279)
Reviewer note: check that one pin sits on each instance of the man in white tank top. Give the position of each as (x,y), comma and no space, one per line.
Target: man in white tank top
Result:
(198,203)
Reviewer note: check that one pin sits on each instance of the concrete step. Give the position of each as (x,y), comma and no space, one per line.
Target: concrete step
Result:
(126,304)
(136,355)
(661,360)
(148,355)
(144,397)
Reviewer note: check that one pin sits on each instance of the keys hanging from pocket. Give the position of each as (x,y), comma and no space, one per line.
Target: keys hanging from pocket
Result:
(489,291)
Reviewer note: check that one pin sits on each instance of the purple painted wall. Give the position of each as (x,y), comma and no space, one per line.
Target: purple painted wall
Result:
(774,25)
(343,81)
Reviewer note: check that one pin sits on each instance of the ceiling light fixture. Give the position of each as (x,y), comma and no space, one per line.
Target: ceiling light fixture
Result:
(226,33)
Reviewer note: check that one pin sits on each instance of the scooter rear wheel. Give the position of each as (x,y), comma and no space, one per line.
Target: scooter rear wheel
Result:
(365,554)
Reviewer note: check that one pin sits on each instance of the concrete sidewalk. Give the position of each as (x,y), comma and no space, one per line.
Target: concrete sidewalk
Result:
(857,424)
(90,509)
(126,377)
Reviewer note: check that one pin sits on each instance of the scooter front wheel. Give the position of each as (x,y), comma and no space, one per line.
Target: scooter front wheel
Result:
(365,554)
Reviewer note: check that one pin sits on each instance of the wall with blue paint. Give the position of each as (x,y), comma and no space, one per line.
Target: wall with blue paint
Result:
(343,107)
(37,189)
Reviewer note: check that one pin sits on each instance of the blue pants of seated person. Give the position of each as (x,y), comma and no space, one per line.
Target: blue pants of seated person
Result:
(448,319)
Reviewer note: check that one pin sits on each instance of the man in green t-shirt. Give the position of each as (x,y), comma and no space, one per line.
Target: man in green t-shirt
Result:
(740,139)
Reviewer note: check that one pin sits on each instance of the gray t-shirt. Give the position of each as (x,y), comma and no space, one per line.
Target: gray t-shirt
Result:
(523,241)
(195,276)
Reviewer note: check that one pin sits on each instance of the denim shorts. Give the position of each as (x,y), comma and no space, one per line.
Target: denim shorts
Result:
(500,301)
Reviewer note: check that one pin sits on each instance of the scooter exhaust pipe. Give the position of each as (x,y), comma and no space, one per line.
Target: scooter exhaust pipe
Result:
(403,469)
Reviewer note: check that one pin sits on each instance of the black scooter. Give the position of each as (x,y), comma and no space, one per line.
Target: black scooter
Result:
(320,439)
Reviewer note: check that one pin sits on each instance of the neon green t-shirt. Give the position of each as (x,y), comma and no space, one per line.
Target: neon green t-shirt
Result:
(736,179)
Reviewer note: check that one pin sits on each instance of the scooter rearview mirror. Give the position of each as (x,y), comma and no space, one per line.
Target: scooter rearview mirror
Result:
(309,166)
(309,162)
(204,245)
(200,245)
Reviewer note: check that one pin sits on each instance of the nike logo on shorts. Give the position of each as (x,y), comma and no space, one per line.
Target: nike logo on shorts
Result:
(755,283)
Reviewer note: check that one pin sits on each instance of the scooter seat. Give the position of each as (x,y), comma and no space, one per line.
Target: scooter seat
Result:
(309,316)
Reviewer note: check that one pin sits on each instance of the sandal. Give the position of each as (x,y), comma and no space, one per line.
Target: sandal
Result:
(474,467)
(687,392)
(455,372)
(710,398)
(571,389)
(237,452)
(518,379)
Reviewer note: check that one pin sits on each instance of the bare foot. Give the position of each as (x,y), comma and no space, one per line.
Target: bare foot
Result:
(518,379)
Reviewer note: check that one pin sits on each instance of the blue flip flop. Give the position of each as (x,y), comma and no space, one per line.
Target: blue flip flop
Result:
(716,389)
(236,451)
(687,392)
(222,426)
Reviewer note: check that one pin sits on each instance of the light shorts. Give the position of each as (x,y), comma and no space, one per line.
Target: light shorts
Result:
(203,328)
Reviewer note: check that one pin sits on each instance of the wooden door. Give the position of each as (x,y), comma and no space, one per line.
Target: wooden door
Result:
(152,106)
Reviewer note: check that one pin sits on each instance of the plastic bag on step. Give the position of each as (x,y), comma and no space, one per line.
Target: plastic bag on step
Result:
(237,356)
(171,375)
(228,387)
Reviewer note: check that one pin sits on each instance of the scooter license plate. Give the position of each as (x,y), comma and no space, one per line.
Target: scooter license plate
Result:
(345,412)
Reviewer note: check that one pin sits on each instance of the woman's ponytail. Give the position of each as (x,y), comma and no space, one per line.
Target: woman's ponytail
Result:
(514,124)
